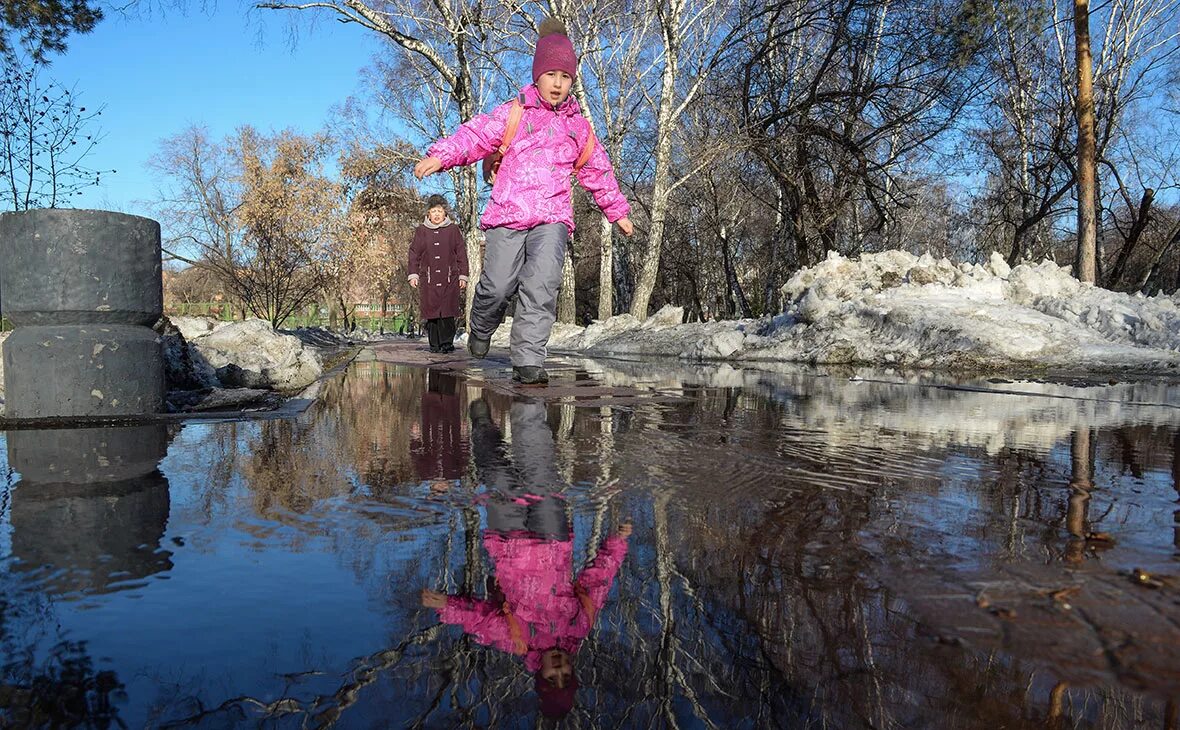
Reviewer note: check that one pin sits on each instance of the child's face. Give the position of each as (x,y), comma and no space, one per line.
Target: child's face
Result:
(437,215)
(556,668)
(555,86)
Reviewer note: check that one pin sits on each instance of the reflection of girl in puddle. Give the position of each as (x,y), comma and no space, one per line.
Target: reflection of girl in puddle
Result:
(536,608)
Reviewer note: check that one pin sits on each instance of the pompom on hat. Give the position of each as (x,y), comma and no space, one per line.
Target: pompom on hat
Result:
(555,52)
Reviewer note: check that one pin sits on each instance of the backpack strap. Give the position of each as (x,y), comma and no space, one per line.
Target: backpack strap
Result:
(491,163)
(519,645)
(514,116)
(587,150)
(587,604)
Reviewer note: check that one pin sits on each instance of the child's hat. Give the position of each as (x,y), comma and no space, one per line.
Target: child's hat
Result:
(555,52)
(554,702)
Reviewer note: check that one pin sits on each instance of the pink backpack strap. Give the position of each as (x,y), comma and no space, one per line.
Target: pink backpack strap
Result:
(587,604)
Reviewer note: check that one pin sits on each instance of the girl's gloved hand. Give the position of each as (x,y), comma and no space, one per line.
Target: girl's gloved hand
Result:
(433,599)
(427,166)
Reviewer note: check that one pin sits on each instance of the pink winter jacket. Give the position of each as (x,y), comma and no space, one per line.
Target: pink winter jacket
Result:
(533,184)
(535,576)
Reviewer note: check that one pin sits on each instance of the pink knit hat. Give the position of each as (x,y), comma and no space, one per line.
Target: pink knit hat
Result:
(554,51)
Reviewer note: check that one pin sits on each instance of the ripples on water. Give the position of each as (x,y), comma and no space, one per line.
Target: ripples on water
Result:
(807,552)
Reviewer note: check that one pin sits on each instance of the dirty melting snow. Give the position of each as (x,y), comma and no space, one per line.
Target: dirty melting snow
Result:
(897,309)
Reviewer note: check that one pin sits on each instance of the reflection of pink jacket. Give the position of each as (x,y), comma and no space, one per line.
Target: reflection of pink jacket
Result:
(548,610)
(533,184)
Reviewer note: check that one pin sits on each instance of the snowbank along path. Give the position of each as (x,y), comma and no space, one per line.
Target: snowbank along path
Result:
(897,309)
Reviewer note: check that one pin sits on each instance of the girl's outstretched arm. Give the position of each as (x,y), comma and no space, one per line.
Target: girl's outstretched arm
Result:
(598,177)
(483,620)
(473,140)
(598,576)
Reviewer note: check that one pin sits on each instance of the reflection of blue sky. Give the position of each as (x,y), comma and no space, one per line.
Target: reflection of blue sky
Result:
(238,604)
(7,479)
(955,517)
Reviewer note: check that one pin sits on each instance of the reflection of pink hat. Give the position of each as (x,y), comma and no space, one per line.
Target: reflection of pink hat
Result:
(555,702)
(555,52)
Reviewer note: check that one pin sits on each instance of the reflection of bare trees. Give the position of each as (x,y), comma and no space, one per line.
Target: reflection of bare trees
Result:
(774,579)
(358,434)
(1080,483)
(62,690)
(778,566)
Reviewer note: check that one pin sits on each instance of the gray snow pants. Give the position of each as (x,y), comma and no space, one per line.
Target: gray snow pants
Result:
(528,264)
(523,471)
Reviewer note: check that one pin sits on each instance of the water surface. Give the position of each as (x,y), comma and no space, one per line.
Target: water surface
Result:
(807,551)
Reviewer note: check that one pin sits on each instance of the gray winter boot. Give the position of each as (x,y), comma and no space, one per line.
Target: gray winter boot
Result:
(530,375)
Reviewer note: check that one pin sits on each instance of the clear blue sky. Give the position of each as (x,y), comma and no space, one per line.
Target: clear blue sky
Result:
(222,68)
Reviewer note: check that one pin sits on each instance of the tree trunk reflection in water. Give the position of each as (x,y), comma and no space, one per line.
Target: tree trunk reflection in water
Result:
(671,649)
(1058,716)
(1081,483)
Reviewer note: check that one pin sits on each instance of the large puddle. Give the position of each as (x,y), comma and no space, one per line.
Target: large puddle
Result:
(804,550)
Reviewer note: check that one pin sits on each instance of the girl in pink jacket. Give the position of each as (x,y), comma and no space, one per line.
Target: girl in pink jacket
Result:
(536,608)
(530,217)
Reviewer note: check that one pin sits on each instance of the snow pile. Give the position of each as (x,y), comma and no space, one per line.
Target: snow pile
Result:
(897,309)
(193,327)
(251,354)
(563,333)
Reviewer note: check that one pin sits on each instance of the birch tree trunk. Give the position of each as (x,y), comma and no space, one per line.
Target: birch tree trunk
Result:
(606,269)
(468,205)
(443,52)
(1087,145)
(687,34)
(662,184)
(567,306)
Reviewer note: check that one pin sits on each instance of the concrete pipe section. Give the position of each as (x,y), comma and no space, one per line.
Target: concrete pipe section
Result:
(83,288)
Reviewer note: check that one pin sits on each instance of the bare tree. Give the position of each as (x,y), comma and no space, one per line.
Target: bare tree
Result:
(45,136)
(443,45)
(694,36)
(1139,160)
(191,285)
(258,212)
(1026,129)
(199,195)
(846,105)
(383,212)
(1023,130)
